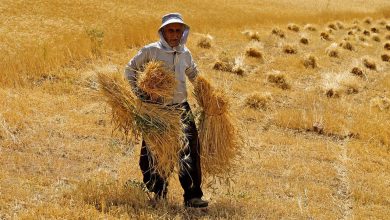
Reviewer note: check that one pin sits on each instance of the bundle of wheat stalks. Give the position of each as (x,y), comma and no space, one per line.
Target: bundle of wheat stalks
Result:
(160,126)
(219,138)
(157,81)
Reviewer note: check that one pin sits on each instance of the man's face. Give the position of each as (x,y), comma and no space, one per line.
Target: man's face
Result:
(172,33)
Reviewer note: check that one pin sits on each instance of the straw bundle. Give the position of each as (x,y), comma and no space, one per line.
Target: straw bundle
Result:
(253,52)
(332,26)
(278,79)
(367,32)
(329,30)
(375,37)
(205,41)
(332,50)
(346,45)
(369,63)
(304,40)
(310,27)
(357,28)
(310,61)
(325,36)
(335,85)
(382,22)
(157,81)
(160,127)
(218,136)
(290,49)
(374,30)
(223,65)
(362,38)
(259,101)
(228,64)
(357,71)
(367,20)
(293,27)
(252,35)
(387,45)
(278,32)
(340,25)
(385,57)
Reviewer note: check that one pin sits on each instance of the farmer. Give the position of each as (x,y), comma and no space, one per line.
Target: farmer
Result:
(172,51)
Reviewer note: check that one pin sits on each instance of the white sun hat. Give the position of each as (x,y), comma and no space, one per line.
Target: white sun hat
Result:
(172,18)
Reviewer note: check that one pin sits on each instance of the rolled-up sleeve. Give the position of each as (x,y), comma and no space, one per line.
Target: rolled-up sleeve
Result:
(192,70)
(135,65)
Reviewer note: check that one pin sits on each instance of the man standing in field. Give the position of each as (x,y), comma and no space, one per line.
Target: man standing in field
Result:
(172,51)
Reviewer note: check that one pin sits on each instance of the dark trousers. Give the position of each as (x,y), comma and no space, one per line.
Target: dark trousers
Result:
(190,174)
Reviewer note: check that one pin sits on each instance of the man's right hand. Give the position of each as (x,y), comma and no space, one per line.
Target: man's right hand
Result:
(143,96)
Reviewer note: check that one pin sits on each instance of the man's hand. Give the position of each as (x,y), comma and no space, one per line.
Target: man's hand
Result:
(143,96)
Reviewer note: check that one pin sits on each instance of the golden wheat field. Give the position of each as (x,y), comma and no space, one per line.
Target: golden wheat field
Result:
(310,88)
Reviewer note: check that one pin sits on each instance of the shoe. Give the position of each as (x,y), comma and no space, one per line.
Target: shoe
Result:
(196,203)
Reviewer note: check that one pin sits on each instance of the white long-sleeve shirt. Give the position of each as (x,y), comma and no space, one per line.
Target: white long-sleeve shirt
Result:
(178,59)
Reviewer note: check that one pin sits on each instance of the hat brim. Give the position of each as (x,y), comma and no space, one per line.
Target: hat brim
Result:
(173,21)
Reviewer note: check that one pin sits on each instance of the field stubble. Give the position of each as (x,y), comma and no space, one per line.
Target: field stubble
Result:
(318,149)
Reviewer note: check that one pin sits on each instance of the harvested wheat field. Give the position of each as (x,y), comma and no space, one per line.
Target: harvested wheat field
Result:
(315,126)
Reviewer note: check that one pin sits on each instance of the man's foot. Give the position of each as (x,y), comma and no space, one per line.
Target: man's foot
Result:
(196,203)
